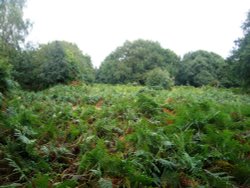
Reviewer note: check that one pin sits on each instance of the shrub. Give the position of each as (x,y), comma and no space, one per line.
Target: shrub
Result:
(159,78)
(4,76)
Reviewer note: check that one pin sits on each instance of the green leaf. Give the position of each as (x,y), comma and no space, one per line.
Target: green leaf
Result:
(105,183)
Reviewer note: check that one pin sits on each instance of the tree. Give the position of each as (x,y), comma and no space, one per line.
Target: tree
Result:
(53,63)
(24,68)
(230,77)
(241,54)
(130,62)
(200,68)
(158,78)
(5,78)
(13,29)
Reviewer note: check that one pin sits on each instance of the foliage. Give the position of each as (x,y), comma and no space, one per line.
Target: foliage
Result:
(130,62)
(241,55)
(13,28)
(120,136)
(159,78)
(24,67)
(229,74)
(1,100)
(53,63)
(5,78)
(200,68)
(125,136)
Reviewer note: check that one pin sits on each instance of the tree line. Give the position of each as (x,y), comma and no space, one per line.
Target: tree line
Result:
(140,62)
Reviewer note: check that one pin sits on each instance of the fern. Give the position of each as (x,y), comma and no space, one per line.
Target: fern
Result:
(57,137)
(192,164)
(66,184)
(147,105)
(219,179)
(12,185)
(1,99)
(24,139)
(41,181)
(17,169)
(105,183)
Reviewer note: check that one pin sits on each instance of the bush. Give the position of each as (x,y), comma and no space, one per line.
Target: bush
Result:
(4,76)
(159,78)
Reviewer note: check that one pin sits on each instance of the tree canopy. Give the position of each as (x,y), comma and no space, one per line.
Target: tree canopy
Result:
(130,62)
(4,76)
(13,29)
(200,68)
(139,61)
(241,55)
(53,63)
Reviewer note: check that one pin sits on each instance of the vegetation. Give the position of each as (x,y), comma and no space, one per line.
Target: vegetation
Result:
(53,63)
(35,69)
(148,133)
(4,76)
(13,29)
(131,62)
(158,78)
(241,55)
(200,68)
(81,135)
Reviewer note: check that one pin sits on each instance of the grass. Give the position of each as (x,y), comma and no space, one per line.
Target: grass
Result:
(125,136)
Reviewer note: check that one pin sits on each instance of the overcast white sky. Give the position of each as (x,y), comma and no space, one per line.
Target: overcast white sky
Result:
(99,26)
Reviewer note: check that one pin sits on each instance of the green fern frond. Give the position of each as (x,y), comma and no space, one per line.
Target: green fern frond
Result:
(17,169)
(24,139)
(105,183)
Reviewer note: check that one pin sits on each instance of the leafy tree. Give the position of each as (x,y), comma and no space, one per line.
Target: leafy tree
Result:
(4,76)
(13,29)
(241,55)
(130,62)
(24,66)
(53,63)
(159,78)
(229,77)
(200,68)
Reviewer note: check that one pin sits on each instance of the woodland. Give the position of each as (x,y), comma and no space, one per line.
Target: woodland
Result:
(145,118)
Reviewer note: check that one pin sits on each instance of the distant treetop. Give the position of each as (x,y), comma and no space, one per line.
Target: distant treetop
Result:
(133,60)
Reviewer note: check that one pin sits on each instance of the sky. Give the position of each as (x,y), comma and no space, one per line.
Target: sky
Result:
(98,27)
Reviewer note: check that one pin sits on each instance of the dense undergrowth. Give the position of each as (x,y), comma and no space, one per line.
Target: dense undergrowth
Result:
(125,136)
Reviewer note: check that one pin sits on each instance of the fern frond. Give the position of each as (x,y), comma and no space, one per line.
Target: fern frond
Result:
(24,139)
(17,169)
